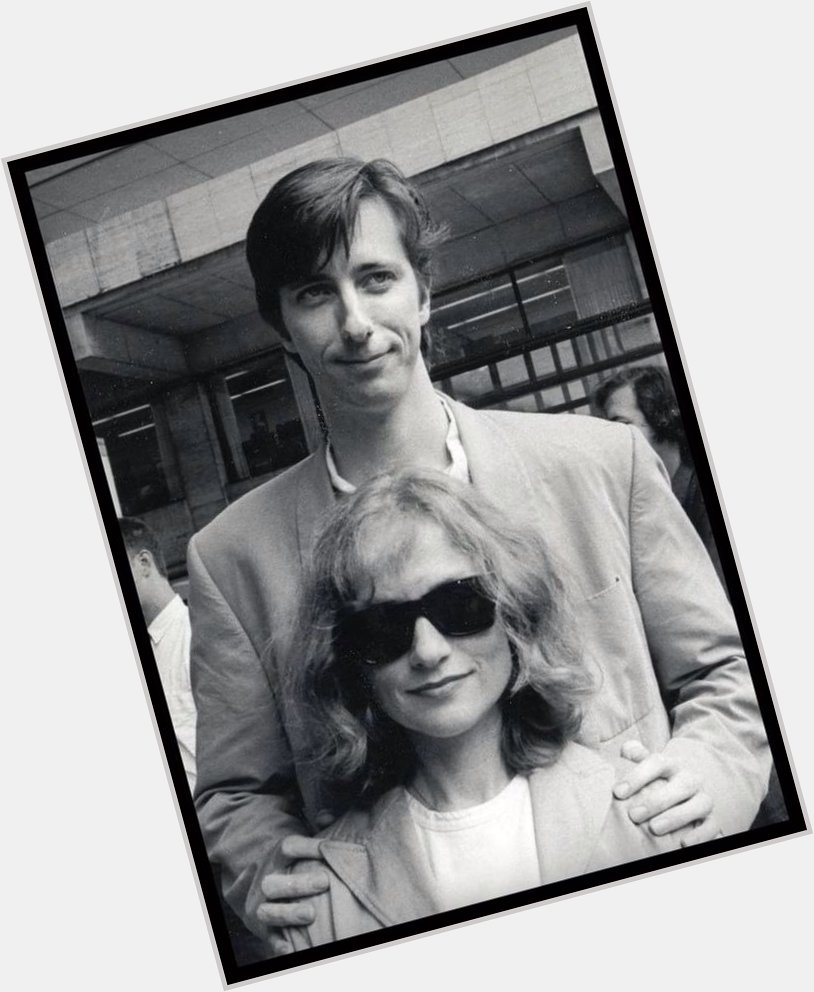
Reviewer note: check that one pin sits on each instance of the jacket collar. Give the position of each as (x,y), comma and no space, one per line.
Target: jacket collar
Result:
(384,868)
(378,857)
(500,470)
(494,463)
(495,467)
(571,800)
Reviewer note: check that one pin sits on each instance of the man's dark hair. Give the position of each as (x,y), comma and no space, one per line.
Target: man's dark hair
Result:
(311,211)
(655,398)
(139,537)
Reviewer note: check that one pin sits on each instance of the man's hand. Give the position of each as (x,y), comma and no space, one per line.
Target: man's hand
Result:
(666,798)
(288,894)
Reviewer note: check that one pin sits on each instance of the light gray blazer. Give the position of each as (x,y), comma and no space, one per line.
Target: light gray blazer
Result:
(652,615)
(378,871)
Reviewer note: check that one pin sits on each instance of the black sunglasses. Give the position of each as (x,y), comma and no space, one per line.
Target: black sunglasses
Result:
(384,632)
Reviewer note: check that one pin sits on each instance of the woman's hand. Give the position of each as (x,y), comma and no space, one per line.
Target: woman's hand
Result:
(666,798)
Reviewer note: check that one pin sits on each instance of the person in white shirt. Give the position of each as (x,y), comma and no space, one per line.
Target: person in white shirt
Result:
(442,677)
(167,619)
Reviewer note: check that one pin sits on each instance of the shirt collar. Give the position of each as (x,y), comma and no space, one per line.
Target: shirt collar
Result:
(457,468)
(162,623)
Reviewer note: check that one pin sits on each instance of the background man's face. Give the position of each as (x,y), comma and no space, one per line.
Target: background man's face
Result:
(356,323)
(621,406)
(140,566)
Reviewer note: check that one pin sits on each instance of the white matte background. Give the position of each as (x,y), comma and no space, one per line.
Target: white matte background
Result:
(97,887)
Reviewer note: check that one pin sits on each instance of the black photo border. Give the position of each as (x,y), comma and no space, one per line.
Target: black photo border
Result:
(581,19)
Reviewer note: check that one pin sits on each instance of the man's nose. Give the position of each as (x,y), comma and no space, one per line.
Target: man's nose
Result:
(355,325)
(429,647)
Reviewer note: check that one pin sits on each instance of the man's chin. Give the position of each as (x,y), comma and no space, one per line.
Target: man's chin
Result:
(377,394)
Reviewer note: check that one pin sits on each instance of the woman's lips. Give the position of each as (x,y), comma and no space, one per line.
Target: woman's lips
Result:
(439,686)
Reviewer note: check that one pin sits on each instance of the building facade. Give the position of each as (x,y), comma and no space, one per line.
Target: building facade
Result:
(538,291)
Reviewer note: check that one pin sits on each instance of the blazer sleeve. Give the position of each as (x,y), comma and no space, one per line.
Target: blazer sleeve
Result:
(245,796)
(716,727)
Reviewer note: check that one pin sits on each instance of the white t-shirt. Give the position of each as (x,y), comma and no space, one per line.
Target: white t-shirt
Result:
(481,852)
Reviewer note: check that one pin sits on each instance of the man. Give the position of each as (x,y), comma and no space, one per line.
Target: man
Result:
(643,397)
(167,619)
(340,253)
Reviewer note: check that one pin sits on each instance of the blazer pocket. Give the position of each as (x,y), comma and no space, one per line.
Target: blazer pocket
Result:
(617,655)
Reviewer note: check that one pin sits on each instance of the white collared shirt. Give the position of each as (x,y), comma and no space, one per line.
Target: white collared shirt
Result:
(169,636)
(458,467)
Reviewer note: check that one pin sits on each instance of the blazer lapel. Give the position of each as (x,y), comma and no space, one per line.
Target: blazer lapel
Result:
(570,800)
(497,467)
(385,873)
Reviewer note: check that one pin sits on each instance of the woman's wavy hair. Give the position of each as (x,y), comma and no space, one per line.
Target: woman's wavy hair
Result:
(357,751)
(312,211)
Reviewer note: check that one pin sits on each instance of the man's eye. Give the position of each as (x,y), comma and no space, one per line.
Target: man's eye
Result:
(381,279)
(312,294)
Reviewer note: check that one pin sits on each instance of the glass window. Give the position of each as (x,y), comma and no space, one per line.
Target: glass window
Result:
(531,311)
(576,389)
(469,386)
(513,371)
(527,403)
(134,460)
(636,333)
(564,351)
(474,320)
(544,363)
(546,297)
(268,422)
(553,397)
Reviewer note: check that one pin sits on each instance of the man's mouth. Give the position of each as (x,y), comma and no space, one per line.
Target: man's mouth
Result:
(362,359)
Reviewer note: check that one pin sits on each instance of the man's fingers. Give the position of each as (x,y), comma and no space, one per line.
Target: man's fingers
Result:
(296,848)
(708,830)
(285,914)
(279,945)
(634,751)
(650,769)
(302,885)
(694,810)
(661,796)
(324,819)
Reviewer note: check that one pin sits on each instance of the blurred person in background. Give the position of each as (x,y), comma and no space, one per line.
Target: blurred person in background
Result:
(643,397)
(167,619)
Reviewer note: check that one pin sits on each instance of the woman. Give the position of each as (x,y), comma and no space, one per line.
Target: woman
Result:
(444,684)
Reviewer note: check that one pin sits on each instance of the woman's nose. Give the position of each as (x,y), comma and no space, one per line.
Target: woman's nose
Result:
(429,647)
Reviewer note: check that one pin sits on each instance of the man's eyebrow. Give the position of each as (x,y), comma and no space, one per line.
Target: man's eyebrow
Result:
(307,280)
(364,267)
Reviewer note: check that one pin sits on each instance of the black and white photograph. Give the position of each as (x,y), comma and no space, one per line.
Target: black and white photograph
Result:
(437,601)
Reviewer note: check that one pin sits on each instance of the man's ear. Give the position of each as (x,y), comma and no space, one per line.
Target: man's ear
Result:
(145,563)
